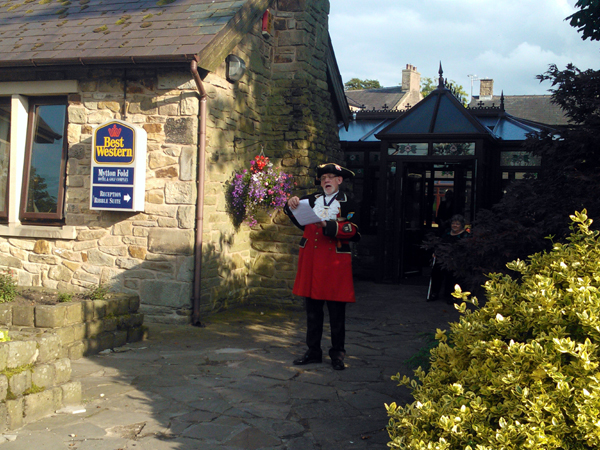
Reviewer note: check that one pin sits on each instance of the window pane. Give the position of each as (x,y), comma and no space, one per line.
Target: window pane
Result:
(454,149)
(45,175)
(408,149)
(4,152)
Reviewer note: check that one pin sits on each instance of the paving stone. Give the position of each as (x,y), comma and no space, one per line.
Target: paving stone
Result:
(226,387)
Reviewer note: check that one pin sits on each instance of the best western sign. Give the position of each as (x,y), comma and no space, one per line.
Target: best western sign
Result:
(118,167)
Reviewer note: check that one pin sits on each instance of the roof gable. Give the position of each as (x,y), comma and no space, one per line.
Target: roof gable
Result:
(438,113)
(116,31)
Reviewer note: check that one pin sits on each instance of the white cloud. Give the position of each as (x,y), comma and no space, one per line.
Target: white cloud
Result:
(511,41)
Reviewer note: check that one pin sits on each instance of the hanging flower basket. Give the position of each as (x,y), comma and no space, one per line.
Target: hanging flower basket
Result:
(261,188)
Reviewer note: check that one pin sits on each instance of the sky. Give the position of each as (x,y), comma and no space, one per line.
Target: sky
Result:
(509,41)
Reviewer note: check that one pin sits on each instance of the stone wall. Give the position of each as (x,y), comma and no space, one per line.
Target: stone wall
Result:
(80,328)
(34,379)
(148,253)
(300,110)
(282,105)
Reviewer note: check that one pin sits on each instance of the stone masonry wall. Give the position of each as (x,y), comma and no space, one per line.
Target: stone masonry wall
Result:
(282,106)
(299,108)
(148,253)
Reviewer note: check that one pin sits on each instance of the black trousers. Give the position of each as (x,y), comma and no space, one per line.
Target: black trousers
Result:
(314,328)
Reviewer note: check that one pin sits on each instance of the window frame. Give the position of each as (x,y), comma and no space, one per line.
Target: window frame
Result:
(19,93)
(37,217)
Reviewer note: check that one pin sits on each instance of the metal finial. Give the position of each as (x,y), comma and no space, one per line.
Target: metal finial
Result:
(441,79)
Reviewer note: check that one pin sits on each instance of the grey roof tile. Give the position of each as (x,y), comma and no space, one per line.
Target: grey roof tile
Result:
(376,98)
(187,49)
(537,108)
(109,28)
(213,29)
(187,40)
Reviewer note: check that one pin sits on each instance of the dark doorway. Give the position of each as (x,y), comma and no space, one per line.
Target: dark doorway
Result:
(414,193)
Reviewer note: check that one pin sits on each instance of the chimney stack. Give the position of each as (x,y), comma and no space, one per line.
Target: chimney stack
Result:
(486,89)
(411,79)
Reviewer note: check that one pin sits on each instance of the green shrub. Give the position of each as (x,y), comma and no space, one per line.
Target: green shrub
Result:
(98,293)
(65,297)
(8,286)
(521,372)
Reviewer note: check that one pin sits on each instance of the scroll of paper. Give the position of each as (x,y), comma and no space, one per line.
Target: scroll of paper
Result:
(304,214)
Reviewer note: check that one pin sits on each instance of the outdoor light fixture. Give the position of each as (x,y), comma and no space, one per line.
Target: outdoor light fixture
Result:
(235,68)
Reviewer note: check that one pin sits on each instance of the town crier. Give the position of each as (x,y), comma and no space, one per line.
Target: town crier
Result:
(325,262)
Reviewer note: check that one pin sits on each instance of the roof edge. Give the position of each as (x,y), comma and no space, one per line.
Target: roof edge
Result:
(215,52)
(335,79)
(90,61)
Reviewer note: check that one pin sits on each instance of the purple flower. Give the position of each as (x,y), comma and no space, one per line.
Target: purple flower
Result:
(251,192)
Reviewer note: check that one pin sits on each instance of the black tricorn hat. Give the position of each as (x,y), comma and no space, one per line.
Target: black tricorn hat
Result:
(335,169)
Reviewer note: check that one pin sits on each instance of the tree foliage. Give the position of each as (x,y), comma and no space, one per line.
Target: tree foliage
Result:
(356,84)
(522,371)
(428,85)
(587,19)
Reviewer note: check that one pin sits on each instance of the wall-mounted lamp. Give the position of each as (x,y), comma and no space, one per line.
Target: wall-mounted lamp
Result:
(236,67)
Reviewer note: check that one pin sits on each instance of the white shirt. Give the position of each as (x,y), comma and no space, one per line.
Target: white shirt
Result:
(326,207)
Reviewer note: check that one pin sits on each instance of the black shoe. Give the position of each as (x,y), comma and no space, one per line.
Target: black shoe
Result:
(338,364)
(308,359)
(432,298)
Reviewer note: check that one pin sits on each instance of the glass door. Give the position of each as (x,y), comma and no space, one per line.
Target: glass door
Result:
(414,220)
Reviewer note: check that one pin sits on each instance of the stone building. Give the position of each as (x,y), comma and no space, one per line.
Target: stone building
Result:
(407,94)
(163,66)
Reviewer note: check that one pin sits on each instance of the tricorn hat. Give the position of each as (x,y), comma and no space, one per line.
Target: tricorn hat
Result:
(335,169)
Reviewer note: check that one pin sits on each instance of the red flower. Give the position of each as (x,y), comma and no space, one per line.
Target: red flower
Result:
(259,163)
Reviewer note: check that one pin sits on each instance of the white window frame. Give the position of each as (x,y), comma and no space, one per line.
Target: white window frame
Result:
(19,91)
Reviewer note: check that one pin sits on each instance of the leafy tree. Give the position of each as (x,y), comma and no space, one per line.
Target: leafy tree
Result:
(356,84)
(587,19)
(39,199)
(428,85)
(458,91)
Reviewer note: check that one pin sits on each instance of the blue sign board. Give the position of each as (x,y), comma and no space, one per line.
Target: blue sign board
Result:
(114,144)
(118,169)
(112,197)
(112,175)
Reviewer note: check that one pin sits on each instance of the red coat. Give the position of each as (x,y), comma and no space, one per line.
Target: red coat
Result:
(325,259)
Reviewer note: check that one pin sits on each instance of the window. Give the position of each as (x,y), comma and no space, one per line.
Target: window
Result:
(33,158)
(454,149)
(45,160)
(408,149)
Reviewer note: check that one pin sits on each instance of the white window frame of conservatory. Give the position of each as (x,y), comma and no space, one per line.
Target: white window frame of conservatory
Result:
(19,91)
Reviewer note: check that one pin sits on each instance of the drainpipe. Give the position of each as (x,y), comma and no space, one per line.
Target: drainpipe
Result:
(200,197)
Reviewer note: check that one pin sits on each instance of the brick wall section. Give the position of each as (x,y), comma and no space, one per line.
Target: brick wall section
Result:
(281,105)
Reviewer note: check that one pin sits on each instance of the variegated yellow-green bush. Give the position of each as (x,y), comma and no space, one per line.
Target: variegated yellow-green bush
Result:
(521,372)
